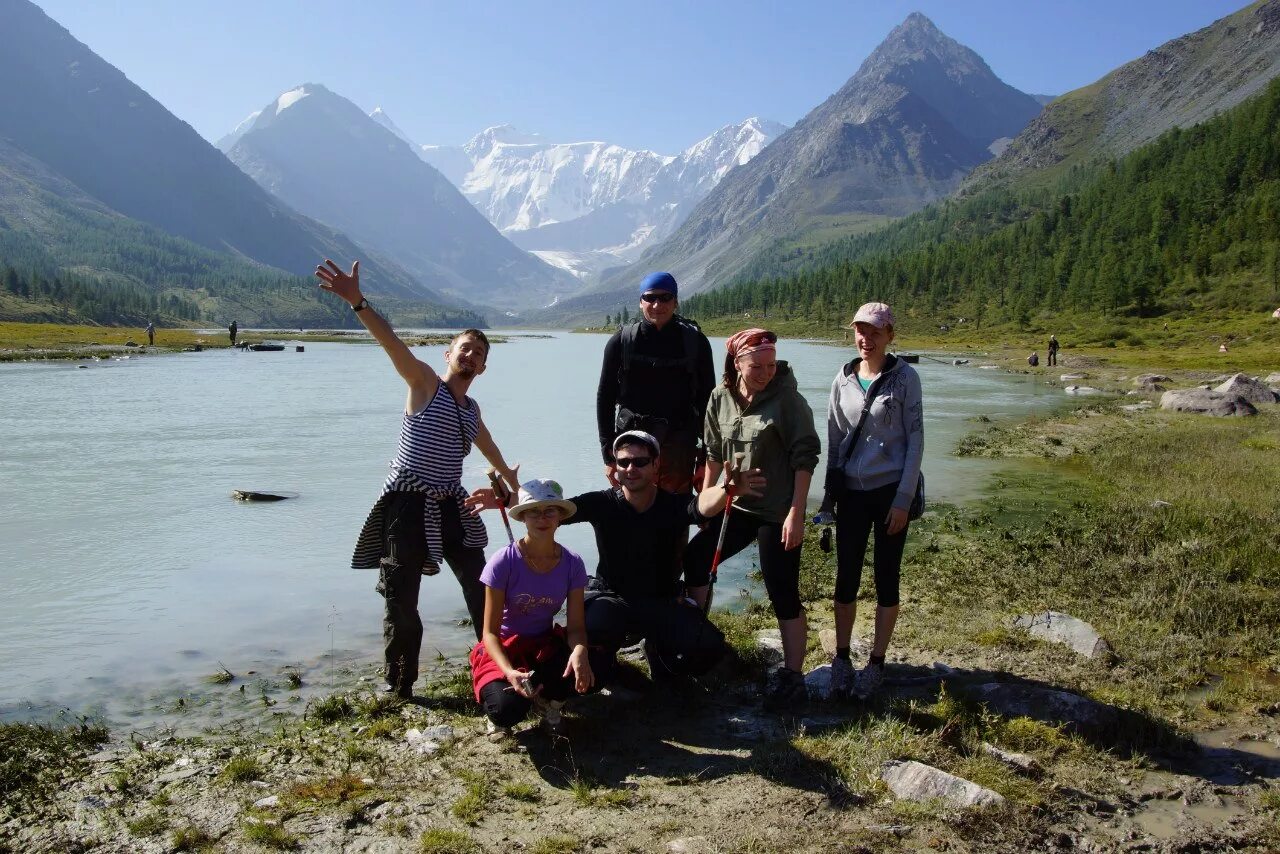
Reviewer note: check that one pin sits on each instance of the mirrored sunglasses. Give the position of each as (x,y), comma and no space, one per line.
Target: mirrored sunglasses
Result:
(629,462)
(660,296)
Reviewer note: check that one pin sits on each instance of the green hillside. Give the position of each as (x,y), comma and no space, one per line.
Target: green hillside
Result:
(1189,222)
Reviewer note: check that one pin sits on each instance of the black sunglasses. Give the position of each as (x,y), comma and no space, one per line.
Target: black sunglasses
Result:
(629,462)
(661,296)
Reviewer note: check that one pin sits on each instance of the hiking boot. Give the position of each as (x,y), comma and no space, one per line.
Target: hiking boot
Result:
(497,734)
(841,677)
(787,691)
(867,680)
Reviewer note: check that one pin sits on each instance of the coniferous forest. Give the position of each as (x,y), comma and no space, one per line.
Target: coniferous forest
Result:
(1191,220)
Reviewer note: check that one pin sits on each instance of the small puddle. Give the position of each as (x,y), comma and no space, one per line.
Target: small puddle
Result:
(1224,740)
(1167,819)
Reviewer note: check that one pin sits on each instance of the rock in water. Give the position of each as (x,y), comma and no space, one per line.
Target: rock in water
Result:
(915,781)
(1056,627)
(1081,389)
(1247,387)
(1076,713)
(255,495)
(1206,402)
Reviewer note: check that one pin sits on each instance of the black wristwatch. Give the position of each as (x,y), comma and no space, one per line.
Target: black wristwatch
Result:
(360,306)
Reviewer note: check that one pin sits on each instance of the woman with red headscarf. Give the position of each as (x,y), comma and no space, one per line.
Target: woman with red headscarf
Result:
(758,412)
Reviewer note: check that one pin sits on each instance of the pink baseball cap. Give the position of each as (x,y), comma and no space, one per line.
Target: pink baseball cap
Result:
(878,314)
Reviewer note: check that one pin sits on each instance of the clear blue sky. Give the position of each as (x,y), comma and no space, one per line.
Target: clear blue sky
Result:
(657,74)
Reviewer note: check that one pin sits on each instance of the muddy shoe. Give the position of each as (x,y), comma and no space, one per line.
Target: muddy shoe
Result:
(841,678)
(867,680)
(787,690)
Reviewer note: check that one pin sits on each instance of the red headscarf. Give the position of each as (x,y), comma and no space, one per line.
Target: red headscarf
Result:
(750,341)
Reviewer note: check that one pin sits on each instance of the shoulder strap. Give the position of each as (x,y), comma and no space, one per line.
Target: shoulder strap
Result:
(868,398)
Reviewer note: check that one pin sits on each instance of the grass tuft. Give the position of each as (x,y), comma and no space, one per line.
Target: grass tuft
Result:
(150,824)
(241,769)
(190,838)
(556,845)
(442,841)
(524,792)
(270,835)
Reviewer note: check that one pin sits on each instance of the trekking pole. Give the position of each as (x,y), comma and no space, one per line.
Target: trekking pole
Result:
(724,526)
(501,491)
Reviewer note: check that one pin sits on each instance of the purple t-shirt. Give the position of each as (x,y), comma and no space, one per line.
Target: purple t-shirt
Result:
(532,598)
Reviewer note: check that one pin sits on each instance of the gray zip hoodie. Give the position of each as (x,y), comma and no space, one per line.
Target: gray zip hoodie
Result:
(891,443)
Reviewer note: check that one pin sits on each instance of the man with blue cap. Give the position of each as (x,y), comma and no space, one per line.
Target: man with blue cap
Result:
(657,377)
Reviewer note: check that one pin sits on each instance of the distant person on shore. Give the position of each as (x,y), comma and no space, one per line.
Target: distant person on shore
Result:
(151,333)
(758,411)
(656,377)
(1034,359)
(1053,350)
(875,445)
(233,330)
(524,660)
(636,593)
(419,518)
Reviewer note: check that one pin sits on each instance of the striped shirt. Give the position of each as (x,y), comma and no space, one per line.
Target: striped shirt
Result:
(433,443)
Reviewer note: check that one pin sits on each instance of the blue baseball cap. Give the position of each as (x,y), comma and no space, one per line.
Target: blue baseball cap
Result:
(659,282)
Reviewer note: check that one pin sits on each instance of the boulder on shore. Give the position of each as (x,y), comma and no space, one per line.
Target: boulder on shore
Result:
(1247,387)
(915,781)
(1081,389)
(1056,627)
(1206,402)
(1151,379)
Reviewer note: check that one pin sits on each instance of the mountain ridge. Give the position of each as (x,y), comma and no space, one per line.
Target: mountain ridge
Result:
(309,141)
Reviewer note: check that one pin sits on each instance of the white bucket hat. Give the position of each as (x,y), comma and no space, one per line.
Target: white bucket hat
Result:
(542,493)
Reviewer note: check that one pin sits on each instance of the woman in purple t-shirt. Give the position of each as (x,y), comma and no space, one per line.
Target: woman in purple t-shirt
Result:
(523,658)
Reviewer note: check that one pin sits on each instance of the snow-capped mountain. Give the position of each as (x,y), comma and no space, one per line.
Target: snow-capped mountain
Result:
(309,142)
(586,206)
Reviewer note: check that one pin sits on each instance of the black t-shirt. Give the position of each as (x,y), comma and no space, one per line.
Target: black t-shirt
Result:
(638,551)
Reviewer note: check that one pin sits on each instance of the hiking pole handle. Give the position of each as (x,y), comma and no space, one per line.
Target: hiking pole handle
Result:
(502,493)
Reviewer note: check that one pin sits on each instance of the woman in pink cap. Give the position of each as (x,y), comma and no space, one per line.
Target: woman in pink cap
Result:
(758,411)
(875,443)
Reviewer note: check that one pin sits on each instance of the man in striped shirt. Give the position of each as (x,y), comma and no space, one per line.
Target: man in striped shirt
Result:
(419,519)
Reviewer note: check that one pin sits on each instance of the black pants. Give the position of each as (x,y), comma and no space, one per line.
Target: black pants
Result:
(507,708)
(780,567)
(400,576)
(857,512)
(679,639)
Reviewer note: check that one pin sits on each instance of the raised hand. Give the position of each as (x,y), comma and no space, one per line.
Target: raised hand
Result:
(345,285)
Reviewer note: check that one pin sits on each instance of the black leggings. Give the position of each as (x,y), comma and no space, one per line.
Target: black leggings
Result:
(780,567)
(507,708)
(857,511)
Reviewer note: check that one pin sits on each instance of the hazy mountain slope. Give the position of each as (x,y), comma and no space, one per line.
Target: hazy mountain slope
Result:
(82,118)
(1181,82)
(321,154)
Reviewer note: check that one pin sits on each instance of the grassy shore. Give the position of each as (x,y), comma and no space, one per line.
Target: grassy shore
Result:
(1160,529)
(1169,343)
(41,341)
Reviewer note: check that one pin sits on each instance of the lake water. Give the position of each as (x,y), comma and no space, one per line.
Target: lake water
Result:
(129,573)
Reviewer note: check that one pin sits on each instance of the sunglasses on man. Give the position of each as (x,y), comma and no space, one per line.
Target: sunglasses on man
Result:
(660,296)
(629,462)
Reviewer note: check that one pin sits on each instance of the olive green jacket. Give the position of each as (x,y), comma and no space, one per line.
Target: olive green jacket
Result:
(775,432)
